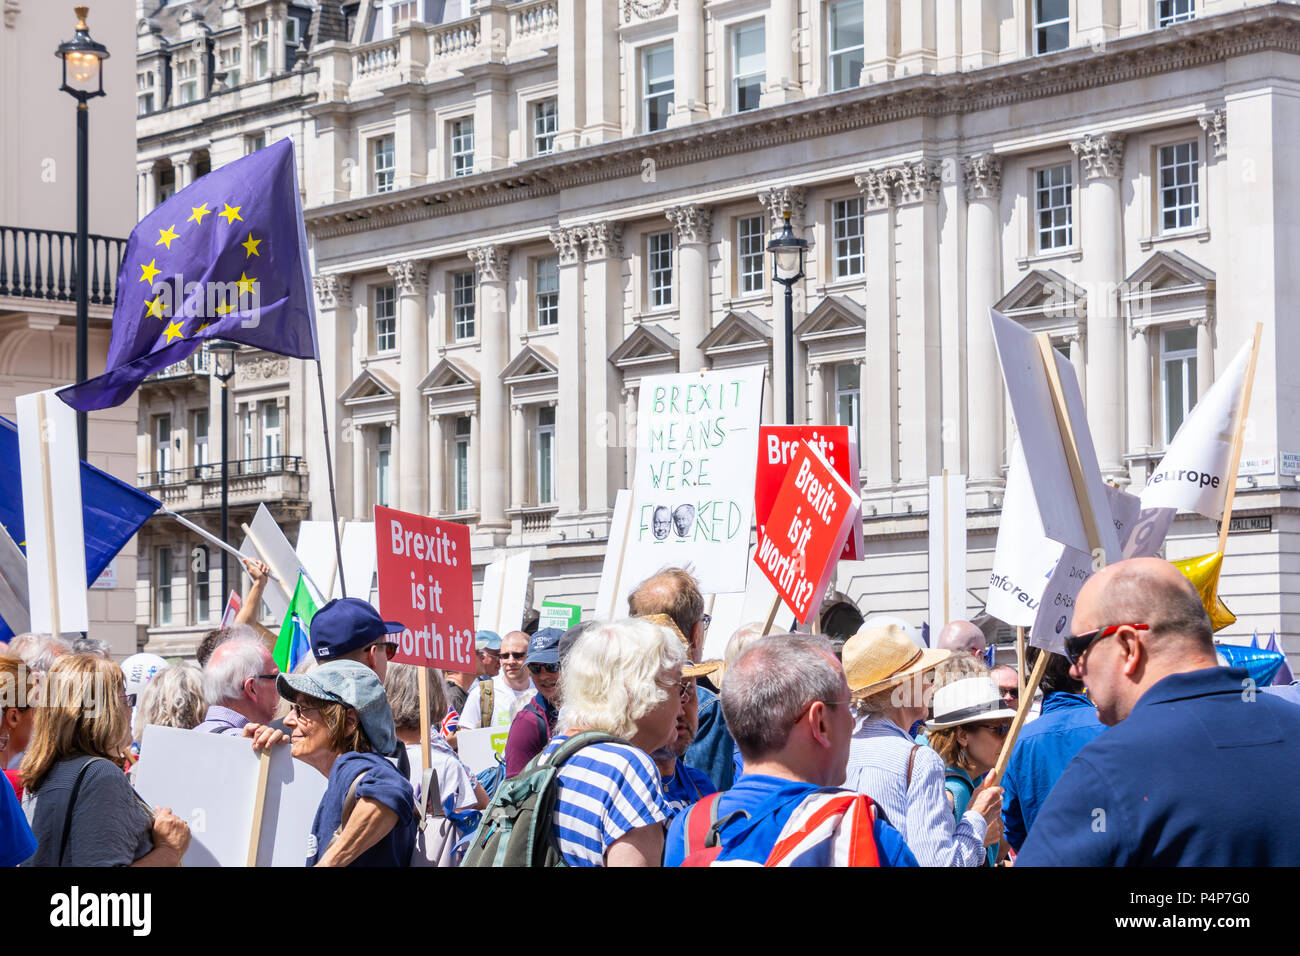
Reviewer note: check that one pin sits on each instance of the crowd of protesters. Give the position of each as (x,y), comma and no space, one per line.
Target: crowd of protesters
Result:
(792,751)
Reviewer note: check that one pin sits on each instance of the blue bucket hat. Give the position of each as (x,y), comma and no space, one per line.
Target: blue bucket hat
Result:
(355,685)
(487,641)
(544,646)
(345,625)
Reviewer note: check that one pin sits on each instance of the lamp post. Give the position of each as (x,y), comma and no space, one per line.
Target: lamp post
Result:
(83,79)
(787,268)
(223,367)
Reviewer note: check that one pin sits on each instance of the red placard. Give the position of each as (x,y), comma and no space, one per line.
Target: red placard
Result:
(777,445)
(426,581)
(805,531)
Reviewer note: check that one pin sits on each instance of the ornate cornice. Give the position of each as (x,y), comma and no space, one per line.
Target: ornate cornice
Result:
(917,181)
(692,223)
(264,367)
(492,263)
(645,9)
(877,188)
(568,243)
(782,199)
(1102,154)
(333,291)
(604,240)
(1215,123)
(12,10)
(983,176)
(411,276)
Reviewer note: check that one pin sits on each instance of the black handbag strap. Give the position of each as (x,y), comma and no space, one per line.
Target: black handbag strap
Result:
(72,802)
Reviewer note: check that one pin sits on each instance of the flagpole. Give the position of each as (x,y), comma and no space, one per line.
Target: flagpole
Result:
(1238,434)
(329,473)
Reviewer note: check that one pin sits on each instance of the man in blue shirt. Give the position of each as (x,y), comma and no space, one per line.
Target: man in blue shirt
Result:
(1195,756)
(1067,722)
(795,744)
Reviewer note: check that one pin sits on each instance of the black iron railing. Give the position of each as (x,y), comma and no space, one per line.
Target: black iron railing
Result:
(276,464)
(42,264)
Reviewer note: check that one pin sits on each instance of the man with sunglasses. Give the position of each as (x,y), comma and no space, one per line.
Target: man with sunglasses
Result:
(534,724)
(1193,754)
(494,703)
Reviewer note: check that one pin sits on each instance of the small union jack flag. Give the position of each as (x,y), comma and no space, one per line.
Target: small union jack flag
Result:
(449,723)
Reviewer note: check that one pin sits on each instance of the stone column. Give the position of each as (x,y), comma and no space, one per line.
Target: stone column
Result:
(778,202)
(1139,391)
(519,496)
(1204,355)
(183,173)
(571,67)
(492,264)
(412,280)
(817,397)
(475,462)
(572,409)
(782,84)
(689,104)
(360,508)
(333,323)
(1102,268)
(692,225)
(602,42)
(630,399)
(437,465)
(880,33)
(605,430)
(916,47)
(880,371)
(146,189)
(920,449)
(1079,361)
(983,177)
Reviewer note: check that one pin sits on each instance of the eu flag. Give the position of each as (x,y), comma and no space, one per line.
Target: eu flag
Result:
(111,510)
(224,258)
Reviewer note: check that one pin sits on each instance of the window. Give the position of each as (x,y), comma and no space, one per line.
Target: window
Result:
(199,431)
(144,104)
(201,591)
(271,447)
(291,31)
(383,464)
(1051,25)
(462,146)
(749,254)
(187,83)
(747,68)
(844,43)
(546,120)
(546,291)
(259,48)
(401,14)
(656,86)
(1169,12)
(659,269)
(460,465)
(1177,377)
(163,587)
(254,142)
(1054,207)
(848,398)
(846,236)
(545,455)
(462,305)
(386,318)
(381,164)
(144,90)
(1180,206)
(229,64)
(246,436)
(162,439)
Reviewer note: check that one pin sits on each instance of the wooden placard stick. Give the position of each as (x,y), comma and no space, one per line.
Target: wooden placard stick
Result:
(51,560)
(1238,433)
(771,614)
(425,726)
(278,575)
(1020,659)
(259,804)
(994,777)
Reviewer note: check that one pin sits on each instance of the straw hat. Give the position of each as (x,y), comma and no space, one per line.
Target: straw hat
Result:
(689,670)
(967,701)
(879,658)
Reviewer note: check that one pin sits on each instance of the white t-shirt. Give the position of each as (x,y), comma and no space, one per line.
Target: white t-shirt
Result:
(506,702)
(454,779)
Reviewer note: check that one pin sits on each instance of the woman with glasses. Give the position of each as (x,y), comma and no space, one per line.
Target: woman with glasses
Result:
(81,807)
(970,726)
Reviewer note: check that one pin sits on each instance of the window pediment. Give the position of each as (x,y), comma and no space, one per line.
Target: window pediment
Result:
(737,332)
(835,317)
(647,345)
(1046,301)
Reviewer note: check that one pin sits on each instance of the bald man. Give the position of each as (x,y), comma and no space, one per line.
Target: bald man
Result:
(1194,755)
(962,636)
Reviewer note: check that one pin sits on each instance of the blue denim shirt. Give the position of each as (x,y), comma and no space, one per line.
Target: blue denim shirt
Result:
(713,750)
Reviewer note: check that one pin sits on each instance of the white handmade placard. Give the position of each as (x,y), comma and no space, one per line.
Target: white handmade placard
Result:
(275,550)
(479,748)
(504,595)
(611,596)
(1025,557)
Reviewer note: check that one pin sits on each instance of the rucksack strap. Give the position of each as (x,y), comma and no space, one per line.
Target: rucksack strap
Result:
(72,803)
(700,820)
(571,746)
(486,703)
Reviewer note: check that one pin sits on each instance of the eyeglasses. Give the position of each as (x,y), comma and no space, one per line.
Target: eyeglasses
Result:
(1077,644)
(266,676)
(688,685)
(129,700)
(298,712)
(998,730)
(538,668)
(513,657)
(390,649)
(706,621)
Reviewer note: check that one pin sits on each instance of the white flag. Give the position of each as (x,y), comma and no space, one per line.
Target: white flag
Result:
(1025,556)
(1193,476)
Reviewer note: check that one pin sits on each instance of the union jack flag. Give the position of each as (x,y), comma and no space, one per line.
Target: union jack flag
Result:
(828,829)
(449,723)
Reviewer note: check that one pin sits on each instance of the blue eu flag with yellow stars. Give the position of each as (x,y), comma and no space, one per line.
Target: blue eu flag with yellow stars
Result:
(225,258)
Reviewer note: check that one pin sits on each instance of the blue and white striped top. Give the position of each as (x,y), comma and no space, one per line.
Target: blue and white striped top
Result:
(605,791)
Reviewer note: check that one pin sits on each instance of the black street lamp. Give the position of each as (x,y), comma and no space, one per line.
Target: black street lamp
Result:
(223,367)
(787,268)
(83,79)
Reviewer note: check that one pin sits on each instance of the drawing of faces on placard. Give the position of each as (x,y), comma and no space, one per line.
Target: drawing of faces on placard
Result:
(661,522)
(683,518)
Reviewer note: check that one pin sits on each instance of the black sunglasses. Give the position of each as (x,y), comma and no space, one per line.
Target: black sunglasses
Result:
(1077,644)
(538,668)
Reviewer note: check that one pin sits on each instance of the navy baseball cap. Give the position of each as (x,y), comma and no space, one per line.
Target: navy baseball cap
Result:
(544,646)
(345,625)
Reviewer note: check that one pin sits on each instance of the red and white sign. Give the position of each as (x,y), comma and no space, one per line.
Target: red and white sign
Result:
(805,531)
(426,581)
(777,445)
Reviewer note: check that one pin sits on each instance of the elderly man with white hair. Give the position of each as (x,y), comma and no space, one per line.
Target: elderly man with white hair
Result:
(239,684)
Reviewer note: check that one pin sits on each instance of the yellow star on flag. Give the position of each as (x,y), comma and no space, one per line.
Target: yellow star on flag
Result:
(251,245)
(224,309)
(203,326)
(197,213)
(155,307)
(246,284)
(148,272)
(173,331)
(231,214)
(165,237)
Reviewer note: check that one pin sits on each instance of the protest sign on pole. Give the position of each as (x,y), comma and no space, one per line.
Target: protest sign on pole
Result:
(611,595)
(315,550)
(805,532)
(947,567)
(556,614)
(693,494)
(505,593)
(1056,607)
(426,582)
(777,445)
(1025,557)
(480,748)
(265,542)
(1238,434)
(359,562)
(52,518)
(13,585)
(233,604)
(1148,532)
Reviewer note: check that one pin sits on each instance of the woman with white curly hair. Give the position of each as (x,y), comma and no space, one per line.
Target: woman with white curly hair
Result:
(623,679)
